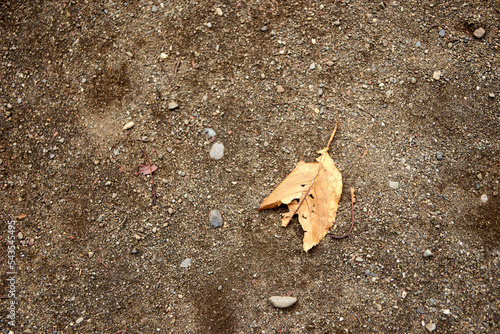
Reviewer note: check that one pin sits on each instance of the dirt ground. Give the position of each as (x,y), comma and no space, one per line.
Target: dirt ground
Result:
(416,97)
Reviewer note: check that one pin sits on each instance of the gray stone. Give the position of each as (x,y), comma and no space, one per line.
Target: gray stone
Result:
(154,9)
(479,33)
(209,132)
(186,263)
(439,155)
(215,218)
(264,28)
(442,33)
(418,44)
(282,302)
(394,184)
(217,151)
(312,66)
(79,320)
(427,253)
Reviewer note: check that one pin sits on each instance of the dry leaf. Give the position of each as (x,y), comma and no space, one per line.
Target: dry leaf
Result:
(147,169)
(311,190)
(22,216)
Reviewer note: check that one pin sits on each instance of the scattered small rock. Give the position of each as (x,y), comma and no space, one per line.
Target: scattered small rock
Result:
(79,320)
(170,210)
(484,198)
(430,326)
(209,132)
(154,9)
(264,28)
(428,253)
(418,44)
(381,5)
(439,155)
(90,254)
(442,33)
(312,66)
(437,75)
(394,184)
(330,63)
(129,125)
(282,302)
(209,25)
(337,22)
(378,306)
(163,55)
(130,54)
(172,105)
(217,151)
(492,95)
(218,11)
(134,251)
(215,218)
(280,89)
(479,33)
(359,259)
(186,263)
(413,80)
(20,236)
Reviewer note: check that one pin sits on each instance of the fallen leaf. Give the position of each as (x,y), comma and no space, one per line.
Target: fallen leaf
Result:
(311,190)
(21,216)
(147,169)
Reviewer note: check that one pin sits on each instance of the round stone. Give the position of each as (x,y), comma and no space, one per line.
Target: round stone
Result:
(282,302)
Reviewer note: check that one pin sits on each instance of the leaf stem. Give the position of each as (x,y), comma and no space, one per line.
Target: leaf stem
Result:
(353,199)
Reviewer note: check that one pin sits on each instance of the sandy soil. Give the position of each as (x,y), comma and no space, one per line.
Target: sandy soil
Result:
(415,94)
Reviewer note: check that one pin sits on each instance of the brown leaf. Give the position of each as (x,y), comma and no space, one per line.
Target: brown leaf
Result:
(22,216)
(311,190)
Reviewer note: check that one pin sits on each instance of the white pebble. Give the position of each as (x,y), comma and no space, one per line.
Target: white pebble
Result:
(437,75)
(282,302)
(484,198)
(129,125)
(217,151)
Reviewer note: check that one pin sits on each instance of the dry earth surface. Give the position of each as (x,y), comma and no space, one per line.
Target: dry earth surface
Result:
(416,96)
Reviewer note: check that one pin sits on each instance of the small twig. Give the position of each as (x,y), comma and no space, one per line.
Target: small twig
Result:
(120,225)
(353,199)
(433,26)
(176,68)
(103,263)
(152,178)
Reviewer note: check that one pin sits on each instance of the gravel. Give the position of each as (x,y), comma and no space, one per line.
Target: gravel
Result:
(479,33)
(186,263)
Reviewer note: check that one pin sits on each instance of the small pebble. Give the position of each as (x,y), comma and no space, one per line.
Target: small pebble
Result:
(186,263)
(218,11)
(215,218)
(209,132)
(280,89)
(208,24)
(492,95)
(379,307)
(172,105)
(437,75)
(217,151)
(282,302)
(484,198)
(129,125)
(413,80)
(79,320)
(312,66)
(430,326)
(337,22)
(130,54)
(394,184)
(170,210)
(359,259)
(116,152)
(264,28)
(330,63)
(91,254)
(134,251)
(154,9)
(427,253)
(163,55)
(418,44)
(479,33)
(439,155)
(20,236)
(442,33)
